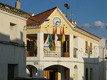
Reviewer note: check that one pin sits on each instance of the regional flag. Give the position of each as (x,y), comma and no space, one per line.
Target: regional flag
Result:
(56,35)
(63,36)
(48,43)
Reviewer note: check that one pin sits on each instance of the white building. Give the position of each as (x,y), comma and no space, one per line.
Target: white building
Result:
(106,60)
(12,38)
(78,58)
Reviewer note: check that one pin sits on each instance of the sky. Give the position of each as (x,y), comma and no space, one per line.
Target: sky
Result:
(90,15)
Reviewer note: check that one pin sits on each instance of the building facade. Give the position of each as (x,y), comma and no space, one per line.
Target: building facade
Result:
(77,58)
(12,38)
(106,60)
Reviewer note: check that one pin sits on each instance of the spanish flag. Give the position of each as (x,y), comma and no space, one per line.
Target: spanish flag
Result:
(63,36)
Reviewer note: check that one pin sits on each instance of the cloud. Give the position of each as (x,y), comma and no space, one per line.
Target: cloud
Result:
(99,24)
(86,26)
(96,25)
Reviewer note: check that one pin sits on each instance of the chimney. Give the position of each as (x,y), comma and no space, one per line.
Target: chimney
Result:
(17,4)
(32,14)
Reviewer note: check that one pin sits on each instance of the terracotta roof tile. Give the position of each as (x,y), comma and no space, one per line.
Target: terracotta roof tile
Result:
(39,18)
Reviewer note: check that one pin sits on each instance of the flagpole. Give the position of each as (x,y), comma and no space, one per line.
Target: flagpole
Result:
(56,41)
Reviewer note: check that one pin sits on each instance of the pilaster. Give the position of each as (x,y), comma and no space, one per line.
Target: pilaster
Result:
(40,39)
(71,45)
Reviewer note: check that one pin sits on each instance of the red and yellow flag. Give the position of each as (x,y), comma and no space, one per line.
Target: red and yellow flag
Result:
(63,36)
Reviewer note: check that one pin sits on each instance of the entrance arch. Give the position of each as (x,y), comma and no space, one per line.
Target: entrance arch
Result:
(31,71)
(56,72)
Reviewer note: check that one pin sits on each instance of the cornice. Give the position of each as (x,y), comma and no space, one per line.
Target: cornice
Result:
(12,10)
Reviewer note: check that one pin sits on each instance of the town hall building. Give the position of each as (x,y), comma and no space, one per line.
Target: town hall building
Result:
(57,49)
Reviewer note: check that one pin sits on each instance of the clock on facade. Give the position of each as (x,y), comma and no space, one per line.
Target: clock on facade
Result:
(56,21)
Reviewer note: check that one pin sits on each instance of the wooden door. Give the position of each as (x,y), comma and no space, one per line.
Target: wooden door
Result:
(56,75)
(66,48)
(67,74)
(46,74)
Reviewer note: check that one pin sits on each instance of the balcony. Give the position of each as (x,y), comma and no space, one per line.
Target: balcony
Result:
(57,50)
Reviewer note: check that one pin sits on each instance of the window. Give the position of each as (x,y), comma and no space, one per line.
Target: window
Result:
(75,47)
(32,47)
(65,47)
(91,48)
(13,32)
(86,47)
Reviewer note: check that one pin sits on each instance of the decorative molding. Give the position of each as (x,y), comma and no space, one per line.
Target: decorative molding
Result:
(33,27)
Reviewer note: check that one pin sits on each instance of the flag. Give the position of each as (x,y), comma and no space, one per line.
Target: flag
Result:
(63,36)
(48,43)
(56,35)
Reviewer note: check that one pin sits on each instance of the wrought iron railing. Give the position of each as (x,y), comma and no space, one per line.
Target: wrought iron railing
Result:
(54,52)
(57,52)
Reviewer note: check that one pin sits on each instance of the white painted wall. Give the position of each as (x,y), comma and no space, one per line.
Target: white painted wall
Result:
(82,61)
(102,59)
(10,54)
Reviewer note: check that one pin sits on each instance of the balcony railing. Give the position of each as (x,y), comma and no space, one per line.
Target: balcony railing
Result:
(57,52)
(54,52)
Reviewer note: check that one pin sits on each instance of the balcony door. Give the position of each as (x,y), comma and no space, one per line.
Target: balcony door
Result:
(65,47)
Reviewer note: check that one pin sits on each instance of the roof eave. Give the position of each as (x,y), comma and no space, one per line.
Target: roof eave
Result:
(87,34)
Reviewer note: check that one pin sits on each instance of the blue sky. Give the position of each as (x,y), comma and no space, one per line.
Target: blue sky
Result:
(91,15)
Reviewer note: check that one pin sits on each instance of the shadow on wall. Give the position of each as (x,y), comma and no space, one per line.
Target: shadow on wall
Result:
(10,40)
(94,69)
(71,79)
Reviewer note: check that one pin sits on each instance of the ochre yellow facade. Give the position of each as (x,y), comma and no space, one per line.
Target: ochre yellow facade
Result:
(47,27)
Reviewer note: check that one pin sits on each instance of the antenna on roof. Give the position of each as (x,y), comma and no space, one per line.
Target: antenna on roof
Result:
(72,15)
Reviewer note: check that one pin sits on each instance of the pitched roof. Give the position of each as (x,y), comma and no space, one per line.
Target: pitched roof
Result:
(39,18)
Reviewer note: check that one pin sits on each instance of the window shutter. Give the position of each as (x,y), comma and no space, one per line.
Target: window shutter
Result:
(90,48)
(28,45)
(86,46)
(32,45)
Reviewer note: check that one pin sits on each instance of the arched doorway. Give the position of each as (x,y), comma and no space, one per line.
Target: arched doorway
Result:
(31,71)
(75,72)
(56,72)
